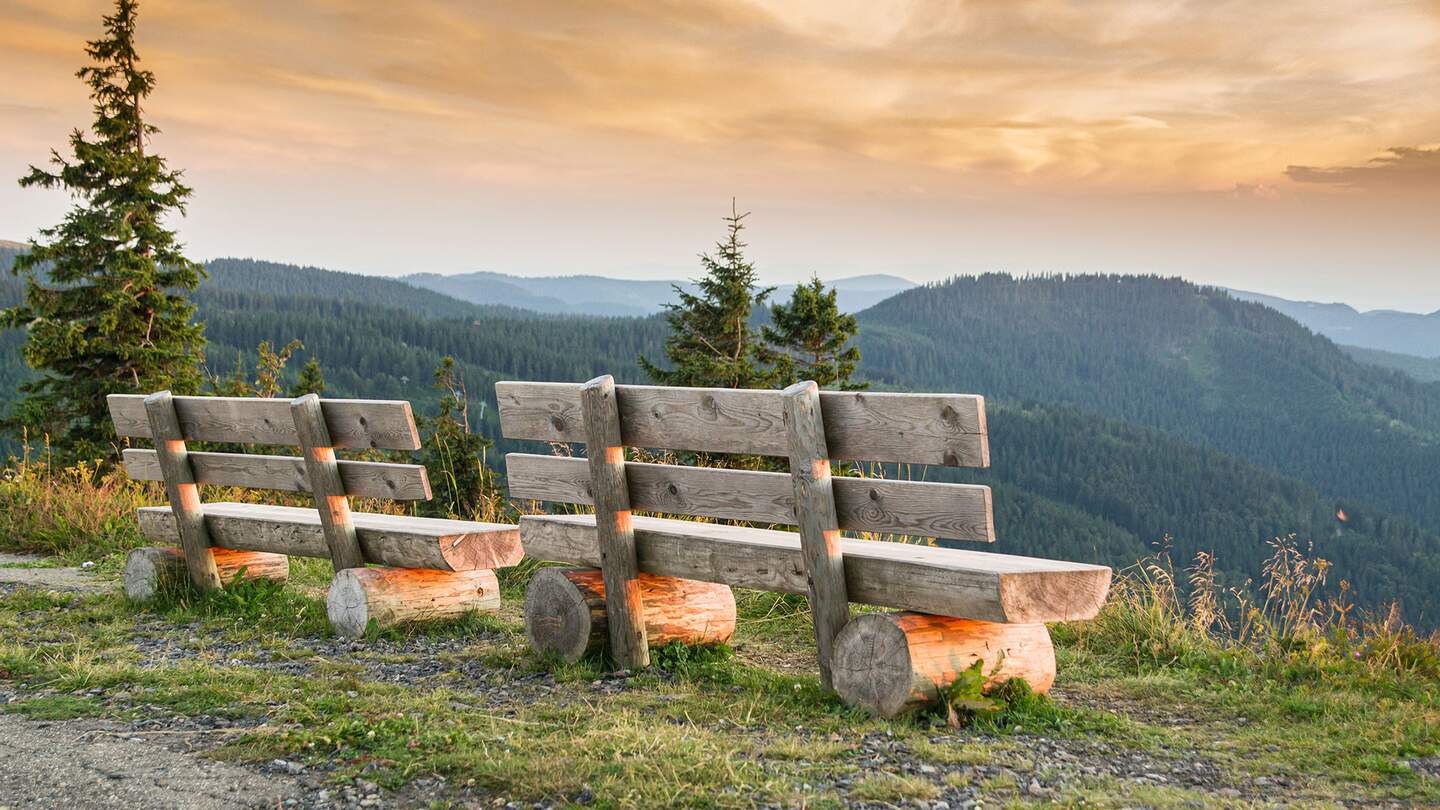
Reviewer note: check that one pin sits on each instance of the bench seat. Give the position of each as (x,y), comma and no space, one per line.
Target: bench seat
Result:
(395,540)
(945,581)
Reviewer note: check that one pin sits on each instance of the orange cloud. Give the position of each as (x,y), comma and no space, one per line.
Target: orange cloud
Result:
(1114,95)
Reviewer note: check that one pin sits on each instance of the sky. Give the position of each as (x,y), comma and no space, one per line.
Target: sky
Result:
(1284,147)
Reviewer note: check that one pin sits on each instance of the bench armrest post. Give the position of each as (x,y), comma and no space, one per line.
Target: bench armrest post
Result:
(181,489)
(625,610)
(815,515)
(325,483)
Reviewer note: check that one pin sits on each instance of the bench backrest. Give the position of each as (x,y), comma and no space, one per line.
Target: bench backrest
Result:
(351,423)
(936,429)
(317,426)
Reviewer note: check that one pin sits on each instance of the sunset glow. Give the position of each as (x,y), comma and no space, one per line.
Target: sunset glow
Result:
(1285,147)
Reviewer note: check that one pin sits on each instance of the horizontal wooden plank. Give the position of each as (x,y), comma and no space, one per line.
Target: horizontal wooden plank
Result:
(353,423)
(947,582)
(919,508)
(395,540)
(947,429)
(362,479)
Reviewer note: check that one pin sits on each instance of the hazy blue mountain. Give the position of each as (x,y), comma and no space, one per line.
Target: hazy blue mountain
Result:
(1424,369)
(1384,329)
(598,295)
(274,278)
(856,293)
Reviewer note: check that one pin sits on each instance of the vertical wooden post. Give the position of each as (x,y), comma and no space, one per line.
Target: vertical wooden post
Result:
(623,605)
(325,483)
(181,489)
(815,515)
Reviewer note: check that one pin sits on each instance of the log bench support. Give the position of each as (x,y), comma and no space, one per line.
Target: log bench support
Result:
(890,663)
(152,571)
(566,617)
(393,596)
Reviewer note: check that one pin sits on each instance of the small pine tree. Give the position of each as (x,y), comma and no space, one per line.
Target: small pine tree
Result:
(104,305)
(454,457)
(807,339)
(711,342)
(312,379)
(269,373)
(270,367)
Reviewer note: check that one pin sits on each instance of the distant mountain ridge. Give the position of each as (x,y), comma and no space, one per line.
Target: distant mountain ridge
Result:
(1388,330)
(616,297)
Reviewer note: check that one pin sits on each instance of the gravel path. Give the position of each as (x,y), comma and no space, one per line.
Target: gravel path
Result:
(81,764)
(55,579)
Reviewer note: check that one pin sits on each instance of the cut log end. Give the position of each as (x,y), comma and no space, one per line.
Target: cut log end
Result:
(1035,597)
(393,596)
(565,611)
(149,571)
(890,663)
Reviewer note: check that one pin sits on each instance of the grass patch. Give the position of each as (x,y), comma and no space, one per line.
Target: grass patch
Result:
(73,514)
(47,562)
(887,787)
(55,707)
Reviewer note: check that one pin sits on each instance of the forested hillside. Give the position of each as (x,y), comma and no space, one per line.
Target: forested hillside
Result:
(1121,410)
(1190,361)
(1144,485)
(13,370)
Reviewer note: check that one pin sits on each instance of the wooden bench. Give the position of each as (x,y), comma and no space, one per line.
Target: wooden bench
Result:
(432,568)
(959,605)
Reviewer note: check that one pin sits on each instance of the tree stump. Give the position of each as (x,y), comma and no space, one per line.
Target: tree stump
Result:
(565,611)
(391,596)
(150,570)
(889,663)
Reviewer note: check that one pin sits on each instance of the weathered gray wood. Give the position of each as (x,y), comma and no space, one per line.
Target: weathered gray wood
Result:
(946,429)
(606,453)
(325,484)
(181,490)
(949,582)
(395,540)
(363,479)
(815,514)
(353,423)
(883,506)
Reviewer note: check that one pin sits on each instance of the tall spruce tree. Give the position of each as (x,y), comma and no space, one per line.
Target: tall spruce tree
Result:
(104,304)
(807,339)
(712,343)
